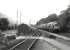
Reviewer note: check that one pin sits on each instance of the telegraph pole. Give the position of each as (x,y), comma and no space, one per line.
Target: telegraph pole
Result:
(17,16)
(20,16)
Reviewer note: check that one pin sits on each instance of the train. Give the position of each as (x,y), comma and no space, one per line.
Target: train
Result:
(53,26)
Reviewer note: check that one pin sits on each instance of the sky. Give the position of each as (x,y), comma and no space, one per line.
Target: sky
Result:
(31,10)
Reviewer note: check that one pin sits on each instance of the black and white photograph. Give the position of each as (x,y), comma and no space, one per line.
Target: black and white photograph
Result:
(34,24)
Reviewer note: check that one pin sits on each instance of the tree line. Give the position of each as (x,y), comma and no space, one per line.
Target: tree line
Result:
(63,19)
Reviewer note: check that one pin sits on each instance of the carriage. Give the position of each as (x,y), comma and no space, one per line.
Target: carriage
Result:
(51,26)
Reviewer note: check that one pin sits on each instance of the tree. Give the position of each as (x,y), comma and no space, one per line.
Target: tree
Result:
(48,23)
(24,29)
(4,24)
(50,18)
(64,19)
(12,27)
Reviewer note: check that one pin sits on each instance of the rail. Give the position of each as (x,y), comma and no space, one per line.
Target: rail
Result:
(46,33)
(25,41)
(52,42)
(56,35)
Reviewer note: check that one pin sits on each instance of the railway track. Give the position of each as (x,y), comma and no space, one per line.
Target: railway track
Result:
(32,44)
(43,45)
(53,44)
(63,42)
(47,34)
(26,44)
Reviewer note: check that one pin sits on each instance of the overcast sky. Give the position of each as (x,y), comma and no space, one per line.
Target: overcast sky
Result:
(31,10)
